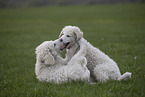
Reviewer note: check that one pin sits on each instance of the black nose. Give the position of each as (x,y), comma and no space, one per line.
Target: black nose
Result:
(61,40)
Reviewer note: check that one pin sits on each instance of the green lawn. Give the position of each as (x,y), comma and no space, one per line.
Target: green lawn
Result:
(117,30)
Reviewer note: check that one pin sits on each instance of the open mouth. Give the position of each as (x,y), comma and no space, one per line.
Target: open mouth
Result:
(64,46)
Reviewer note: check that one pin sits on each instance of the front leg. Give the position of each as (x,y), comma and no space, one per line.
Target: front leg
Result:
(71,52)
(83,48)
(60,60)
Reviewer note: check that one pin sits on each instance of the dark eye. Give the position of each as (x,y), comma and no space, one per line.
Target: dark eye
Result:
(67,35)
(54,45)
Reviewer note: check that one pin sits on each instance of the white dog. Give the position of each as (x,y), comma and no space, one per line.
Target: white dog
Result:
(101,67)
(50,67)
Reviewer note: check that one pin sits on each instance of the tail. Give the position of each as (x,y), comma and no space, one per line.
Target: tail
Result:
(125,76)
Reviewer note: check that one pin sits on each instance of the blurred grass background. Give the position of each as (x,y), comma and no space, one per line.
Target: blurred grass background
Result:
(31,3)
(118,30)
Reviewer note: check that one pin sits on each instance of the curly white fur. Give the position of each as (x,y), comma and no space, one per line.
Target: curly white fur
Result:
(53,68)
(101,66)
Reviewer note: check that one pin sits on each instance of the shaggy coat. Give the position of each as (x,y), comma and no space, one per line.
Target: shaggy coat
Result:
(52,68)
(101,66)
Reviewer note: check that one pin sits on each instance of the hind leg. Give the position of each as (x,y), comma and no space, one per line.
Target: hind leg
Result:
(100,73)
(104,72)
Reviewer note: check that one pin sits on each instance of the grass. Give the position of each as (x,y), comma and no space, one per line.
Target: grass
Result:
(118,30)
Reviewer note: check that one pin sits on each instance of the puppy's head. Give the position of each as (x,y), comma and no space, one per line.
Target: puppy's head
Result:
(47,50)
(69,36)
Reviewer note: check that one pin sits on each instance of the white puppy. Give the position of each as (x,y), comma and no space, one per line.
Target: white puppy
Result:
(102,68)
(50,67)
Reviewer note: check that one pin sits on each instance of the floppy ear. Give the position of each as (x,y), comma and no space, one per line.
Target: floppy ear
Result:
(78,32)
(49,59)
(78,35)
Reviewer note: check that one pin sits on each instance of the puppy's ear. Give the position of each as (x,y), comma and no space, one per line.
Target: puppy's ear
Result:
(78,32)
(49,59)
(78,35)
